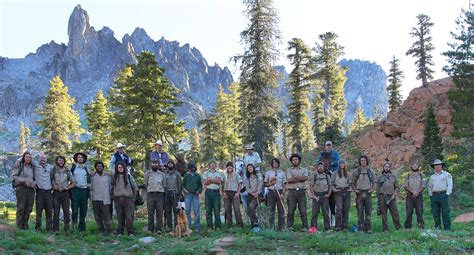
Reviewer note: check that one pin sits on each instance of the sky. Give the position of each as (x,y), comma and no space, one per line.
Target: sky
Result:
(373,30)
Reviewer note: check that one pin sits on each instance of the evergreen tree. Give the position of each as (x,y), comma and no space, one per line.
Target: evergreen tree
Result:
(394,84)
(144,104)
(59,121)
(299,82)
(195,153)
(432,146)
(329,103)
(422,48)
(258,78)
(360,121)
(461,69)
(208,133)
(284,143)
(99,123)
(27,136)
(22,147)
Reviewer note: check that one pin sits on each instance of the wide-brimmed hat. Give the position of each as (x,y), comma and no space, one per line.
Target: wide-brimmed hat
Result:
(328,143)
(120,145)
(437,162)
(320,163)
(159,142)
(249,146)
(77,154)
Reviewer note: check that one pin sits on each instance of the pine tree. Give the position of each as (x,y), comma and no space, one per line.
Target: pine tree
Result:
(258,78)
(195,152)
(432,146)
(144,104)
(208,134)
(99,123)
(461,69)
(329,104)
(27,136)
(299,82)
(360,121)
(422,48)
(60,126)
(394,84)
(22,147)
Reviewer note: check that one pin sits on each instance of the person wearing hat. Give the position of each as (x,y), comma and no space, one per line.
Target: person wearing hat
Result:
(192,188)
(440,187)
(159,155)
(212,180)
(296,177)
(387,191)
(154,185)
(330,159)
(414,185)
(363,179)
(172,185)
(101,185)
(252,157)
(62,181)
(81,192)
(341,183)
(320,190)
(119,156)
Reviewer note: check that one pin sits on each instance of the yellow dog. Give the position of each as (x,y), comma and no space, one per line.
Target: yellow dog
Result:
(182,228)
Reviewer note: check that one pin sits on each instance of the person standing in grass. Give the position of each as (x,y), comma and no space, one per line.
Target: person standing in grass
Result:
(212,180)
(440,187)
(172,185)
(62,181)
(275,180)
(414,185)
(23,175)
(341,183)
(230,192)
(44,197)
(363,185)
(320,190)
(81,192)
(330,158)
(101,186)
(254,186)
(387,191)
(154,184)
(125,190)
(192,188)
(296,178)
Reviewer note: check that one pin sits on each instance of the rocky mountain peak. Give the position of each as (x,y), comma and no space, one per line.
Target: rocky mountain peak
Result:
(78,26)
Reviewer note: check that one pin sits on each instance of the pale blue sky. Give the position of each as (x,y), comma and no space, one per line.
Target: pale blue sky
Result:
(373,30)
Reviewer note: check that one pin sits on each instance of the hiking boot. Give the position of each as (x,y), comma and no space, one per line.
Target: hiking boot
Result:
(370,231)
(304,229)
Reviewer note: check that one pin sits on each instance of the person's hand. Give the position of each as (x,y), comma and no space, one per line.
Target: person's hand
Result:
(393,197)
(255,194)
(327,195)
(415,194)
(236,195)
(224,195)
(357,191)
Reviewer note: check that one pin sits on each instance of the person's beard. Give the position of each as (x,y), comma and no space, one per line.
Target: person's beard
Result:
(170,168)
(60,164)
(154,168)
(414,170)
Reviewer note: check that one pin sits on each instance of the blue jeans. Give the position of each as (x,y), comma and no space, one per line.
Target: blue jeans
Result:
(191,201)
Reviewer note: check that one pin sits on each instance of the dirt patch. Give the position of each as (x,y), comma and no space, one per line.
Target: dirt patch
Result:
(466,217)
(7,229)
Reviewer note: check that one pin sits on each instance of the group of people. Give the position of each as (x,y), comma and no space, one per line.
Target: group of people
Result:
(329,186)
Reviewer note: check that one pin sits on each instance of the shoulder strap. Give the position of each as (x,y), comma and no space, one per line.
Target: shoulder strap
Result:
(21,169)
(315,176)
(53,172)
(130,181)
(327,180)
(73,167)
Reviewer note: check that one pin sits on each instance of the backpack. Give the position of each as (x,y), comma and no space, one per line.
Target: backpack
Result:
(327,179)
(421,179)
(138,199)
(19,173)
(358,173)
(73,167)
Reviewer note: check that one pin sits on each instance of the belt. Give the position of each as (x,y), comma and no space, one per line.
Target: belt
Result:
(321,193)
(343,188)
(61,191)
(155,192)
(298,189)
(212,190)
(439,192)
(274,190)
(43,190)
(364,190)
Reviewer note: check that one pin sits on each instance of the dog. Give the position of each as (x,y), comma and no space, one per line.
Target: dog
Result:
(182,228)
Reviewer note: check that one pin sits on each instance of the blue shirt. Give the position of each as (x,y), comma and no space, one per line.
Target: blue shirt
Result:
(334,160)
(80,175)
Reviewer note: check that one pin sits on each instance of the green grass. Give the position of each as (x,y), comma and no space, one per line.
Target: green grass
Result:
(460,240)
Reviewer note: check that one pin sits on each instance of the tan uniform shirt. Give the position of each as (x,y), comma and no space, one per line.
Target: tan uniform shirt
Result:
(387,184)
(43,176)
(27,174)
(296,171)
(280,178)
(212,175)
(120,190)
(363,182)
(321,182)
(231,181)
(101,185)
(154,181)
(440,182)
(62,177)
(172,181)
(255,183)
(414,181)
(340,182)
